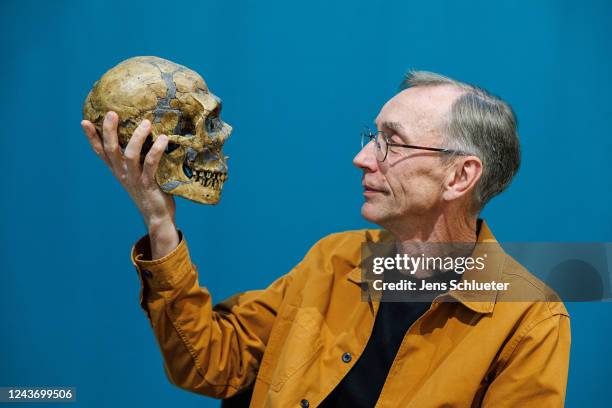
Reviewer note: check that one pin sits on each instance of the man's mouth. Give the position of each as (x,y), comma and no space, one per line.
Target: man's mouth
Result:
(370,189)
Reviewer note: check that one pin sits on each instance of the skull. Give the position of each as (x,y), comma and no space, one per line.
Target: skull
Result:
(178,104)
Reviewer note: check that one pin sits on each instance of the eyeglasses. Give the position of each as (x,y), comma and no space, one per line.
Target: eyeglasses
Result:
(382,144)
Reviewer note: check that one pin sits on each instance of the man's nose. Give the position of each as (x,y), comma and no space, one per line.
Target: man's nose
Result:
(366,158)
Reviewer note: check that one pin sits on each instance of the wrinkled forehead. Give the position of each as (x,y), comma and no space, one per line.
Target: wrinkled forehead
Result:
(420,112)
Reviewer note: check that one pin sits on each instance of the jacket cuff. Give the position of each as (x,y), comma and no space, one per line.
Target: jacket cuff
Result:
(162,273)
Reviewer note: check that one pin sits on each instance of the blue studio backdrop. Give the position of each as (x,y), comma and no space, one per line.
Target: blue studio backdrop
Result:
(298,81)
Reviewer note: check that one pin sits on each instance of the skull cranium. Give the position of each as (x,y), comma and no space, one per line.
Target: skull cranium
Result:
(178,104)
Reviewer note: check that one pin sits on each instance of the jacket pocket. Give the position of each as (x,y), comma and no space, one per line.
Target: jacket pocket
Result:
(293,342)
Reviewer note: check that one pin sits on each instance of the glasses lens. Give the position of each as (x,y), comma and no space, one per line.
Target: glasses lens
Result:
(381,147)
(365,138)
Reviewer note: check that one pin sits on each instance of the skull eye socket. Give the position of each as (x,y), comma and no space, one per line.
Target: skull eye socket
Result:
(212,124)
(187,127)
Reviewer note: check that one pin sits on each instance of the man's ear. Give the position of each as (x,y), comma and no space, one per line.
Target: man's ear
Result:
(462,177)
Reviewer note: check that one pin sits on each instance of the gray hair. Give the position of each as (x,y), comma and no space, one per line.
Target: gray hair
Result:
(481,124)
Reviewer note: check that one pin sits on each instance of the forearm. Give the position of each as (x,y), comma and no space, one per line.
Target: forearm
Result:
(208,351)
(192,341)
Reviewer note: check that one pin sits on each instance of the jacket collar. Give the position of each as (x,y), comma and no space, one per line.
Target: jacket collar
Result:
(478,301)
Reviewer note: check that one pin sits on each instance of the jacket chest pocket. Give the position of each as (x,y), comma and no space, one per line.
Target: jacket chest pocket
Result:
(293,343)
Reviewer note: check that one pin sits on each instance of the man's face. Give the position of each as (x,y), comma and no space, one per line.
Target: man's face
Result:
(408,184)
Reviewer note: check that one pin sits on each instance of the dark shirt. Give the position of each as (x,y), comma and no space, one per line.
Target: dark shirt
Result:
(362,385)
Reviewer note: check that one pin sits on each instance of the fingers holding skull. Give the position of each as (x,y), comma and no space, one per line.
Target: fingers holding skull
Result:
(133,151)
(152,161)
(143,177)
(94,140)
(126,166)
(111,146)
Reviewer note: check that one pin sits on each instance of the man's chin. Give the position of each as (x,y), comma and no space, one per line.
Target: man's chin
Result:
(372,213)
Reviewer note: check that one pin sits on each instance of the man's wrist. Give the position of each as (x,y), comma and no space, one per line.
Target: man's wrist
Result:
(163,237)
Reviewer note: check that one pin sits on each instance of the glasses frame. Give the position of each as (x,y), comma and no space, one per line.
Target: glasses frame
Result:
(367,133)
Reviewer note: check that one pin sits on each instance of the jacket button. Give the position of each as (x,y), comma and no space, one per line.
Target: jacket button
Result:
(304,403)
(147,273)
(346,357)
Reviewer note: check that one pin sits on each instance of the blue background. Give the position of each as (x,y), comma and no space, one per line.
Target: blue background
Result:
(298,80)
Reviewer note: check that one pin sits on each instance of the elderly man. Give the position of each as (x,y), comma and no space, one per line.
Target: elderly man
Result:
(442,150)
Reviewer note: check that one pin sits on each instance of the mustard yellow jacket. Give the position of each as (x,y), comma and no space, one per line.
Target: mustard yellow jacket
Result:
(288,340)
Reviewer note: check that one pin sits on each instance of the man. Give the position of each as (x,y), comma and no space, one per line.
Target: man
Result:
(443,149)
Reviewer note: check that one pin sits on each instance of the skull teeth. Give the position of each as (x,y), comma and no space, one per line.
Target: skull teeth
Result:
(210,179)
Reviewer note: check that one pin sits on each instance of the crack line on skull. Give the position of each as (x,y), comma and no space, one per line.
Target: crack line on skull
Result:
(163,104)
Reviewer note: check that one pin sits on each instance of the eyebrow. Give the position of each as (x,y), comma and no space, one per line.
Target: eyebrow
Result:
(397,127)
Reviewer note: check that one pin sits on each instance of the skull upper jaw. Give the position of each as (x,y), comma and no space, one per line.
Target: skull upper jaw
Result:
(197,178)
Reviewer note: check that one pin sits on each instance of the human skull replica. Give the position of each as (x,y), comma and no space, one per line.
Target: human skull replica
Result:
(178,104)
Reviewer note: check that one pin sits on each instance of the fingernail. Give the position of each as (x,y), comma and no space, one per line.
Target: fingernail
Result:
(109,116)
(145,124)
(163,138)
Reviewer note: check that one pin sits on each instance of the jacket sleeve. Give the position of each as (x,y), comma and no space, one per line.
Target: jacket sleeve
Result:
(535,374)
(211,350)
